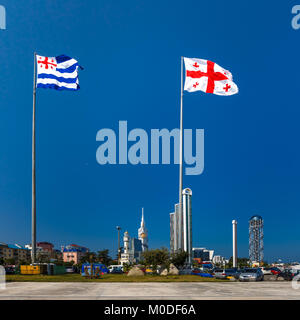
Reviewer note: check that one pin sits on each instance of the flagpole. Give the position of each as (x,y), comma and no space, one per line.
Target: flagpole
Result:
(33,203)
(181,159)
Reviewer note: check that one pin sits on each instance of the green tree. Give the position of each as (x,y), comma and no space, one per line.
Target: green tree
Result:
(126,267)
(10,261)
(59,261)
(68,263)
(1,261)
(89,257)
(103,257)
(241,262)
(157,257)
(23,263)
(179,258)
(42,258)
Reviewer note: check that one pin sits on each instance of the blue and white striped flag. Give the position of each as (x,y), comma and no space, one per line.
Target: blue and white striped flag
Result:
(59,73)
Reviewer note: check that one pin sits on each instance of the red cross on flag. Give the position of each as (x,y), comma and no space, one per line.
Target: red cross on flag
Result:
(209,77)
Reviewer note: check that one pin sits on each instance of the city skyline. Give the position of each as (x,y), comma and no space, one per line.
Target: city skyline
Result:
(251,155)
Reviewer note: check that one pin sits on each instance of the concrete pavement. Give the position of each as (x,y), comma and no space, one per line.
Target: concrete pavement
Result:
(154,291)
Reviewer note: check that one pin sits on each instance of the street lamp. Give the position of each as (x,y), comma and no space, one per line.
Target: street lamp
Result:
(119,250)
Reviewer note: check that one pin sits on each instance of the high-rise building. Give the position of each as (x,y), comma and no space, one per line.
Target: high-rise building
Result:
(181,225)
(187,222)
(143,233)
(179,228)
(234,243)
(256,239)
(175,230)
(172,230)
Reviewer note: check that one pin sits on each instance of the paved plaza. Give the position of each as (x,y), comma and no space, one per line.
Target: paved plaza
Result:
(266,290)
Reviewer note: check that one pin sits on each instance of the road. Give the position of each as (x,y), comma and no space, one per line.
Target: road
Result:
(154,291)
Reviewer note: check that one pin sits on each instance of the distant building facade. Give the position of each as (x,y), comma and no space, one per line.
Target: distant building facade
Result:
(46,246)
(14,252)
(73,252)
(41,254)
(219,260)
(202,254)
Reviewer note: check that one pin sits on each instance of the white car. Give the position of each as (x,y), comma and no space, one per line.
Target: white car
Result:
(266,271)
(115,267)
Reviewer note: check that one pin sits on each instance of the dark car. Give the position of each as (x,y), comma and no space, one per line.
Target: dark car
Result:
(10,270)
(116,271)
(288,274)
(225,273)
(233,272)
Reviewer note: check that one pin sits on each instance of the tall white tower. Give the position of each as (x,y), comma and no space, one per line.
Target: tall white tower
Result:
(143,233)
(126,256)
(187,222)
(126,242)
(234,243)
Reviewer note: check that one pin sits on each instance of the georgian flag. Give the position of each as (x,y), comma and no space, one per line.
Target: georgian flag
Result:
(209,77)
(59,73)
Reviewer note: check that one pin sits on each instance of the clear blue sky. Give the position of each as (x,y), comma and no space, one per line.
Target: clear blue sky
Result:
(131,53)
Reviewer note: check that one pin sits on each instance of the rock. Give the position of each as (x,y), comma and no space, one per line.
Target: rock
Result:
(172,271)
(164,272)
(135,272)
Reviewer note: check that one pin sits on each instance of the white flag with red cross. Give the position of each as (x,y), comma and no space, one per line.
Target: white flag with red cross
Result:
(209,77)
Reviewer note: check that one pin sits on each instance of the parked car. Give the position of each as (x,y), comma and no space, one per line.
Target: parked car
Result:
(10,270)
(69,270)
(233,272)
(116,271)
(288,274)
(251,274)
(266,271)
(219,273)
(225,273)
(115,267)
(275,270)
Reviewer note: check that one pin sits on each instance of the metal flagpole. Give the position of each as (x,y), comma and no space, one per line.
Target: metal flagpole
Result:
(180,159)
(33,204)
